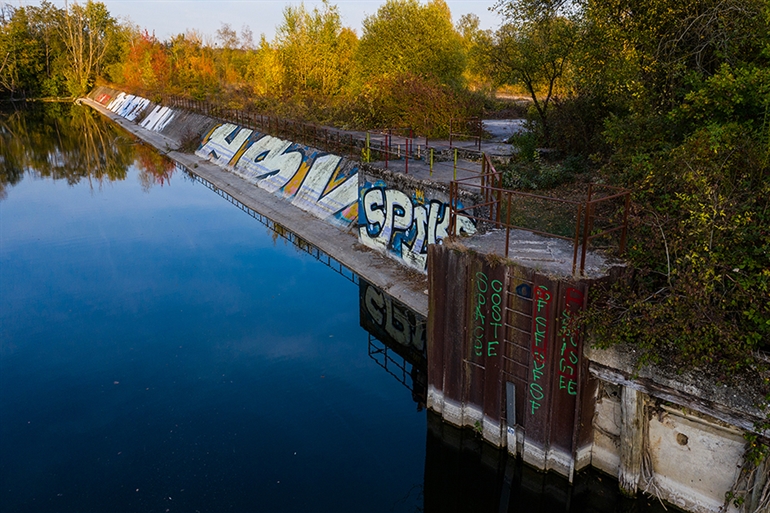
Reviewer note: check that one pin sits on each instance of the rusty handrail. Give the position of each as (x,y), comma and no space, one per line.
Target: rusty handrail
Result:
(475,122)
(490,188)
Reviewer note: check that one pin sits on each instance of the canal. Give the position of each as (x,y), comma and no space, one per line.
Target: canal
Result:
(164,348)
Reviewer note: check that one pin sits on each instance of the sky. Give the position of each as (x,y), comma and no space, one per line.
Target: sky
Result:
(167,18)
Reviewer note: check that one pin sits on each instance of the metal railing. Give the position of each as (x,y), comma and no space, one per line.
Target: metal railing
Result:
(329,139)
(384,145)
(497,207)
(469,128)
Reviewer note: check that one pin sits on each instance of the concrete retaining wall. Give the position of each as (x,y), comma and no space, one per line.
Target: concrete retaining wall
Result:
(692,459)
(322,184)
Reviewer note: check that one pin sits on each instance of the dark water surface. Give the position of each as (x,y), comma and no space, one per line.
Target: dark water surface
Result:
(161,350)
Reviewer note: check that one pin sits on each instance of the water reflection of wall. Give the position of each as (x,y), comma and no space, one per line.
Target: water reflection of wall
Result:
(397,338)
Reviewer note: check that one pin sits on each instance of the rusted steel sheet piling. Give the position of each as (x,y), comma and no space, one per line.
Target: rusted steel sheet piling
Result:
(505,357)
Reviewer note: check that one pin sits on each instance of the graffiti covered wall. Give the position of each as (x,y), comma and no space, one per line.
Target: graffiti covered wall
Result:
(402,224)
(131,107)
(397,219)
(320,183)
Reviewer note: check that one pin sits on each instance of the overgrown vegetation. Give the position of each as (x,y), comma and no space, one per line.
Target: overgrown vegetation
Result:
(672,100)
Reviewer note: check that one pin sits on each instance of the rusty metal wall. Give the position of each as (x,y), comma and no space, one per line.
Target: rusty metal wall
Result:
(491,323)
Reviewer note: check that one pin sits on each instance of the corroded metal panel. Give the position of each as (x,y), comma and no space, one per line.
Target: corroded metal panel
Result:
(452,287)
(502,324)
(474,347)
(537,413)
(518,323)
(493,286)
(567,358)
(437,264)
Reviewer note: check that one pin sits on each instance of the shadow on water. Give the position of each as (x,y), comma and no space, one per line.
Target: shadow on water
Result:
(73,143)
(465,474)
(397,335)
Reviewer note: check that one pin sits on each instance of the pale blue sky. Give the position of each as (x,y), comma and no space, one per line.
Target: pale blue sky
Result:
(169,17)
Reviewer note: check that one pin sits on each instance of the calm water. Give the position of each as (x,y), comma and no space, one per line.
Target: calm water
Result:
(162,350)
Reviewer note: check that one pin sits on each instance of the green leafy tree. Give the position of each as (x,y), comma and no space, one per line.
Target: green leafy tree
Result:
(45,21)
(314,49)
(680,91)
(407,37)
(265,70)
(20,53)
(533,49)
(476,46)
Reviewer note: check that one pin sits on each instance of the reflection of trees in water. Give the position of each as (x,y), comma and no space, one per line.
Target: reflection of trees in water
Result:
(154,168)
(69,142)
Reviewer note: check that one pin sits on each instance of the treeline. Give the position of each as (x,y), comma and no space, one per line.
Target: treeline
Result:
(408,67)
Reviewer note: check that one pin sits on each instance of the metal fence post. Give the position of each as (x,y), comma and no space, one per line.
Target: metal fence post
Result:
(455,171)
(431,162)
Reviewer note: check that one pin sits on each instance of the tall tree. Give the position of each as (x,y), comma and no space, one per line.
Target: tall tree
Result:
(193,70)
(407,37)
(533,49)
(146,64)
(20,53)
(45,21)
(315,50)
(91,35)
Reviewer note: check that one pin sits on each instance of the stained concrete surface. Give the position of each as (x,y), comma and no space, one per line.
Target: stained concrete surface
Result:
(548,255)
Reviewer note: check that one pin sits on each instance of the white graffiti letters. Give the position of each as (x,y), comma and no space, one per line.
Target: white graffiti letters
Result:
(223,142)
(394,319)
(321,184)
(391,221)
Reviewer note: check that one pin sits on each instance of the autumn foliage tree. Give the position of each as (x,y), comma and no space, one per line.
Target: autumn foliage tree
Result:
(147,65)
